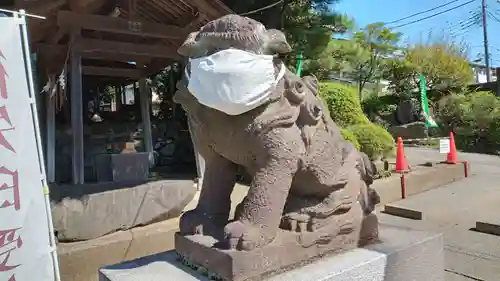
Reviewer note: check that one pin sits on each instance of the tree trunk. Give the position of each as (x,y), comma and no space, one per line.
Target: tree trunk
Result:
(361,86)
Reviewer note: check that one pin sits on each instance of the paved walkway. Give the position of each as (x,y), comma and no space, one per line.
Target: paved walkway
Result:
(453,210)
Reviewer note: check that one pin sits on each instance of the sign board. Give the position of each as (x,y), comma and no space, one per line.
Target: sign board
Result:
(25,243)
(444,146)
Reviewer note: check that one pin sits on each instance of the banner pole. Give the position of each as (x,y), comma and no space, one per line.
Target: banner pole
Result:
(31,87)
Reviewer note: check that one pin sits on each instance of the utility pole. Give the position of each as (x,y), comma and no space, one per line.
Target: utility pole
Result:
(485,41)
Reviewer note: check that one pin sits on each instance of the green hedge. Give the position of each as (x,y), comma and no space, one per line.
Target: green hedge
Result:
(343,104)
(373,139)
(350,137)
(474,117)
(345,110)
(381,109)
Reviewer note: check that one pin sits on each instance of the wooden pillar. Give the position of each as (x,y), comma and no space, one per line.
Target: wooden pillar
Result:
(124,93)
(77,115)
(136,93)
(51,137)
(118,97)
(146,118)
(137,98)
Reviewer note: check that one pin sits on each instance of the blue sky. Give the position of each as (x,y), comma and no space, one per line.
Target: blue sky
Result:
(369,11)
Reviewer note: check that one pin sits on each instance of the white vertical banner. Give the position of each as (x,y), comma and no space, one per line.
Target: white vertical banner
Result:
(26,253)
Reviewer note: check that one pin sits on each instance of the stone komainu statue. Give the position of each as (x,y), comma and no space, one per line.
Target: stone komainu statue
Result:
(309,186)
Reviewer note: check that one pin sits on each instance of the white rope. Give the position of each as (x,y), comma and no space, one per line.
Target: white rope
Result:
(261,9)
(25,14)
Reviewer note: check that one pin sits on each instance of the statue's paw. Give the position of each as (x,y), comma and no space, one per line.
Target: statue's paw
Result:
(244,236)
(191,222)
(296,222)
(325,234)
(341,202)
(198,222)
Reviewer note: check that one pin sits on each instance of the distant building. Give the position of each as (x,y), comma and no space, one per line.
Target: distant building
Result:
(480,73)
(380,86)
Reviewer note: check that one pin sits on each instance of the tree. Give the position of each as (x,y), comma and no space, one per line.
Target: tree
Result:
(363,57)
(402,76)
(310,27)
(366,55)
(275,14)
(308,24)
(324,63)
(163,83)
(442,61)
(444,64)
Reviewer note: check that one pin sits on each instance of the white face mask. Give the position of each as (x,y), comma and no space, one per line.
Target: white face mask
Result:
(233,81)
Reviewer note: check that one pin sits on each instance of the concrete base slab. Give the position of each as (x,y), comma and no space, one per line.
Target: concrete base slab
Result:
(403,255)
(488,227)
(400,211)
(79,261)
(417,181)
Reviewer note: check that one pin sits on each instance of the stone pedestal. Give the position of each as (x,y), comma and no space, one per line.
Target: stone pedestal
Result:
(402,255)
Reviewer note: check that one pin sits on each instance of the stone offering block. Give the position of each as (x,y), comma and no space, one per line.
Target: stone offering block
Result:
(402,255)
(122,167)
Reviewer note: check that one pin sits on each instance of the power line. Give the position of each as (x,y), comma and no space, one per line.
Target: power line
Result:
(463,31)
(464,25)
(491,15)
(433,15)
(261,9)
(423,12)
(475,18)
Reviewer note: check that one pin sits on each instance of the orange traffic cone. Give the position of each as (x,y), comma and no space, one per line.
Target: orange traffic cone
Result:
(401,163)
(452,157)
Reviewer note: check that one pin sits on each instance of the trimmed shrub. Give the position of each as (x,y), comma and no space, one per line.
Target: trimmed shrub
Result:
(345,110)
(374,140)
(381,105)
(381,110)
(474,118)
(350,137)
(343,104)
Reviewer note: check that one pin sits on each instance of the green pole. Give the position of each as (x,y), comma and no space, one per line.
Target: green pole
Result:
(429,122)
(300,58)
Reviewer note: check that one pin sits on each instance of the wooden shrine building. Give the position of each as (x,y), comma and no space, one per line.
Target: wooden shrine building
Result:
(85,44)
